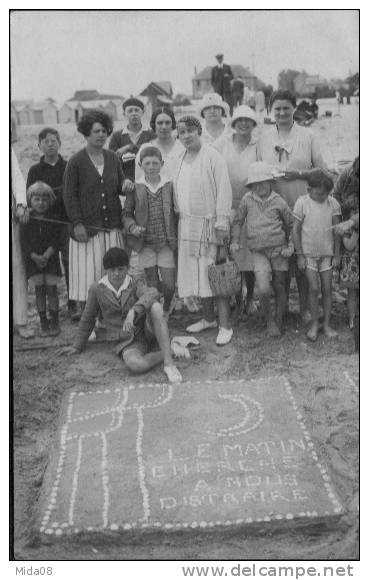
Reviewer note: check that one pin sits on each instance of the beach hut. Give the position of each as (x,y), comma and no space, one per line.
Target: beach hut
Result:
(44,113)
(21,112)
(111,109)
(24,115)
(158,93)
(92,99)
(67,112)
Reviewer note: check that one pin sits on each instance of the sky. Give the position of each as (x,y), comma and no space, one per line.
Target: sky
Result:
(54,53)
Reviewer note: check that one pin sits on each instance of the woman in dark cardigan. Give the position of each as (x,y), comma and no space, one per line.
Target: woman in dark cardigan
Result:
(93,182)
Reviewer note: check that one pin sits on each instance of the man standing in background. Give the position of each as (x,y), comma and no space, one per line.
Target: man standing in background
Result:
(221,76)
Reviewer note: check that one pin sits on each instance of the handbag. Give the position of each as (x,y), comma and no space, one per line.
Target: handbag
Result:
(225,277)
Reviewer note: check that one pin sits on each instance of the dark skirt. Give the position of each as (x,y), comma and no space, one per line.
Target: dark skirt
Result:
(52,267)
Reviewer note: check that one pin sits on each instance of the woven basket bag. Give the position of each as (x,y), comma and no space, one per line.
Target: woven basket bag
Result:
(225,279)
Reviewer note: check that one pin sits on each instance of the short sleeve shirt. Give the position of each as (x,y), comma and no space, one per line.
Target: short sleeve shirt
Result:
(316,218)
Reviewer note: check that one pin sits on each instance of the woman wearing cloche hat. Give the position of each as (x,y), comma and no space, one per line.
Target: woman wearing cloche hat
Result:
(215,111)
(203,198)
(239,149)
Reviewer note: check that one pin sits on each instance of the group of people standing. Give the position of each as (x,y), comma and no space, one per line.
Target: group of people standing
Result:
(181,195)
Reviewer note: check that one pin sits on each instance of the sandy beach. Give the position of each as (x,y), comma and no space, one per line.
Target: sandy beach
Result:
(324,377)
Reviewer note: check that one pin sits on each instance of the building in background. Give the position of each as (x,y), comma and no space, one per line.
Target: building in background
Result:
(201,82)
(157,94)
(92,99)
(48,112)
(306,85)
(20,112)
(44,113)
(68,112)
(31,113)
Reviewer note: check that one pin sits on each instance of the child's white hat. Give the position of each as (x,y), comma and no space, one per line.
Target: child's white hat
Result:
(213,100)
(260,171)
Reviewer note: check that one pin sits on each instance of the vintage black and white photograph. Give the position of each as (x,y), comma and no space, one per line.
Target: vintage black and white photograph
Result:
(185,286)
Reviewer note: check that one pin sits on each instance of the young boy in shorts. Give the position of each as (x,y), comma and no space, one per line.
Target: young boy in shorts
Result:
(132,315)
(269,224)
(151,224)
(317,246)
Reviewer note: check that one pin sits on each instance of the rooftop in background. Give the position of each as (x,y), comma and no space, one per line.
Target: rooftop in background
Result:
(237,69)
(20,104)
(201,82)
(159,88)
(92,95)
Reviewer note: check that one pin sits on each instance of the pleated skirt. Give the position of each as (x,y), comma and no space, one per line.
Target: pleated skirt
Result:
(86,262)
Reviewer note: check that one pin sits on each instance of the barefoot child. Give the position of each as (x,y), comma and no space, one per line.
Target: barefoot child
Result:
(132,315)
(316,245)
(41,242)
(150,223)
(269,224)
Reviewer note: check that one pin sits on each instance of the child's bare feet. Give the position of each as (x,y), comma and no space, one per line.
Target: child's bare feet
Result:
(173,374)
(328,331)
(312,333)
(273,330)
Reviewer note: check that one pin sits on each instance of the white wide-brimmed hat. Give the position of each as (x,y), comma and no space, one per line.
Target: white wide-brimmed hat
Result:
(243,112)
(213,100)
(260,171)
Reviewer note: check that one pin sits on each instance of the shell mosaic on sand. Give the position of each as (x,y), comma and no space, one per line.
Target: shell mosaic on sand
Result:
(135,405)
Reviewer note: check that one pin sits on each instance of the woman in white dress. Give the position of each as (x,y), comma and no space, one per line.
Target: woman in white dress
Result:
(163,123)
(203,198)
(215,113)
(19,280)
(239,149)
